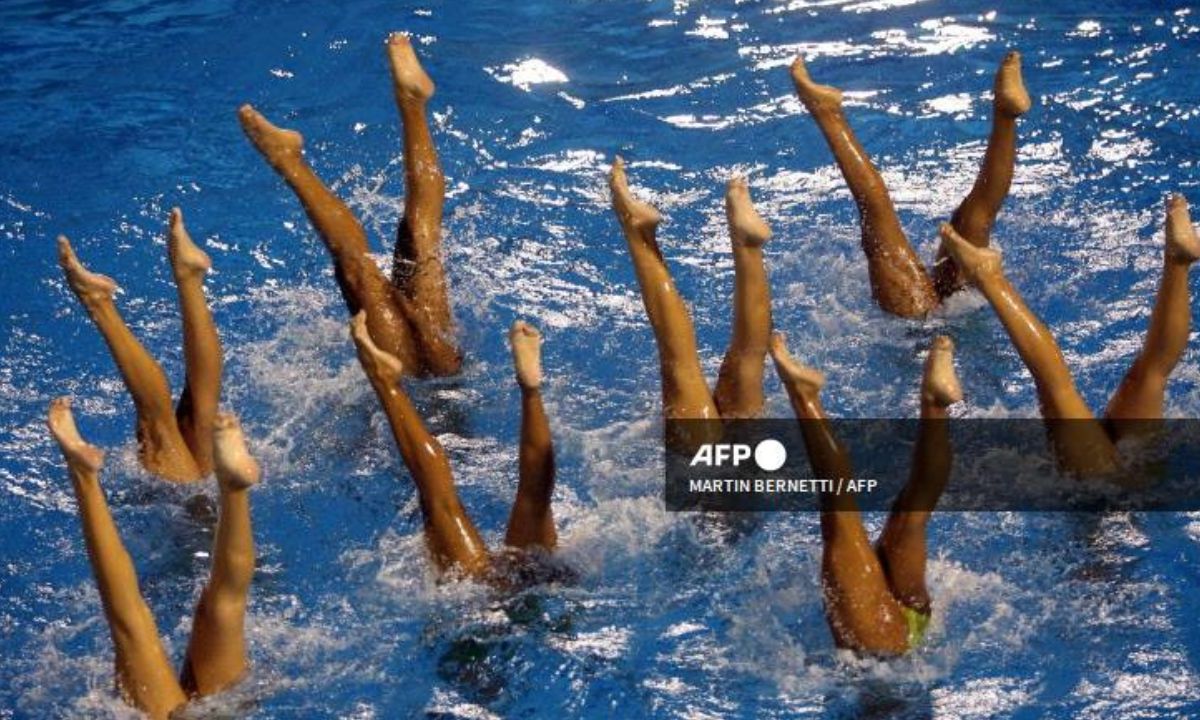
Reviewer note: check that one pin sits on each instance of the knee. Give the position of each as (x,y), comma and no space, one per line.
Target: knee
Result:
(236,573)
(1149,373)
(430,178)
(132,624)
(224,609)
(424,226)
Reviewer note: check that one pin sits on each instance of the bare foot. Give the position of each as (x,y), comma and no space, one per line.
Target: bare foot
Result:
(236,469)
(186,257)
(526,344)
(378,364)
(75,449)
(630,211)
(940,383)
(815,97)
(746,226)
(1011,96)
(1181,236)
(790,371)
(88,286)
(277,145)
(407,74)
(973,261)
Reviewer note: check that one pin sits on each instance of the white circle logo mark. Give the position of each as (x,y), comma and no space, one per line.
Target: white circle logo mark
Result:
(770,455)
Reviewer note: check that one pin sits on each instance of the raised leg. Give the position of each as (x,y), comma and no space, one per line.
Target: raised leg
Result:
(531,522)
(161,448)
(1083,447)
(362,283)
(901,546)
(452,537)
(685,392)
(197,409)
(861,610)
(739,392)
(145,678)
(417,271)
(899,281)
(216,656)
(974,217)
(1140,395)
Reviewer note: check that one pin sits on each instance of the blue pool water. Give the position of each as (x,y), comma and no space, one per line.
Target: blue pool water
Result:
(114,111)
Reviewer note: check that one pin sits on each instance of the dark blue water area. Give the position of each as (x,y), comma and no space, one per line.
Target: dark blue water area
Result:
(113,112)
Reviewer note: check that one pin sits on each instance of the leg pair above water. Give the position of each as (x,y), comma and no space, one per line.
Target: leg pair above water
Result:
(452,537)
(876,600)
(685,392)
(410,316)
(216,655)
(173,442)
(1084,445)
(902,286)
(899,281)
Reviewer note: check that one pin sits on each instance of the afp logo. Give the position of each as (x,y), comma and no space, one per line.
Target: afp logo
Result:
(769,455)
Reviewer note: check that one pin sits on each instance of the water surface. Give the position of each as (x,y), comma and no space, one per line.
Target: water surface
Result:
(115,111)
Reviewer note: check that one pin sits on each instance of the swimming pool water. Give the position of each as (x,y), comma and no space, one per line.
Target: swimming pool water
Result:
(112,112)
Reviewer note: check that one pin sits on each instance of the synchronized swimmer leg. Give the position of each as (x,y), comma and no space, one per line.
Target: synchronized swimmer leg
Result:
(739,391)
(899,281)
(1082,446)
(684,389)
(1141,393)
(862,612)
(363,284)
(452,537)
(531,522)
(902,544)
(145,678)
(216,655)
(161,448)
(197,409)
(417,270)
(975,216)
